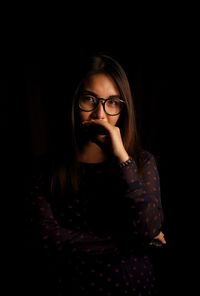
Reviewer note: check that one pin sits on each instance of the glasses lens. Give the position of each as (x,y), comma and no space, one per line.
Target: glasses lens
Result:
(113,106)
(87,102)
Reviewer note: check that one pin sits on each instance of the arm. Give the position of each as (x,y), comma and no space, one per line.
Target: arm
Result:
(61,238)
(141,204)
(142,198)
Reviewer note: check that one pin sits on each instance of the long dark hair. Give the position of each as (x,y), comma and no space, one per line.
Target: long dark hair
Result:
(99,63)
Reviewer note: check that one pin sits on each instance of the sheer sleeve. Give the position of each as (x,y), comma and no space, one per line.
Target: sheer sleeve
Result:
(141,194)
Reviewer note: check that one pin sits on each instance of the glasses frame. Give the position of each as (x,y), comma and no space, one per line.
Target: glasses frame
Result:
(103,102)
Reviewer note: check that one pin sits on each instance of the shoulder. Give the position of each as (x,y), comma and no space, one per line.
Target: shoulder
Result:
(146,157)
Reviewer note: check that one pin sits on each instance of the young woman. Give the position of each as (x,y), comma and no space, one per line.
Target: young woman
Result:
(98,211)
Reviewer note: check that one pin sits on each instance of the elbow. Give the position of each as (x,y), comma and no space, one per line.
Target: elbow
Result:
(146,229)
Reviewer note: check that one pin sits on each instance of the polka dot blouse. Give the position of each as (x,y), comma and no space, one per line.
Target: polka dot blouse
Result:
(96,240)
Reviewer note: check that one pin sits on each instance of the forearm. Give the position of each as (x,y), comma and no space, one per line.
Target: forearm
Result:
(61,238)
(141,197)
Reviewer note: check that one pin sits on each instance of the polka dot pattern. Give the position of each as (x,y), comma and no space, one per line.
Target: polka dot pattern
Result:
(99,232)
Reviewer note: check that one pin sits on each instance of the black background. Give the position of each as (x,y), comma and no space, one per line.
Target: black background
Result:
(157,52)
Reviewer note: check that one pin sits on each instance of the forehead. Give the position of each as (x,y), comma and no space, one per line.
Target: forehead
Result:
(101,83)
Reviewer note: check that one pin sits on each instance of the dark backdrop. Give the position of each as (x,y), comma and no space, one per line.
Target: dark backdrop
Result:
(45,87)
(157,68)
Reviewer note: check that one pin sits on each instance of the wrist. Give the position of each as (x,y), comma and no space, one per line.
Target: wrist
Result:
(126,162)
(122,158)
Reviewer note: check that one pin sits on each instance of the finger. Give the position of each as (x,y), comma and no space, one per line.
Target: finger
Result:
(162,240)
(94,129)
(161,234)
(161,237)
(102,123)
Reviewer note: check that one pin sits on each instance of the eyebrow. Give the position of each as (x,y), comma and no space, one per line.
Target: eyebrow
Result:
(89,92)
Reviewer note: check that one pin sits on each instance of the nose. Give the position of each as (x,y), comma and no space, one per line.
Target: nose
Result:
(99,112)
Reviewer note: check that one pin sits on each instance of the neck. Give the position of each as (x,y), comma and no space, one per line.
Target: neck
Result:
(91,153)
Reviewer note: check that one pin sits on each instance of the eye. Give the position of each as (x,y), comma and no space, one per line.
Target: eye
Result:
(113,102)
(88,98)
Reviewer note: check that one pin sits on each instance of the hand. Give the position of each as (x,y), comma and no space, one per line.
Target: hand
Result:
(111,141)
(160,237)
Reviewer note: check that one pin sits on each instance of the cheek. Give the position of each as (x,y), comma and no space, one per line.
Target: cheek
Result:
(113,120)
(84,116)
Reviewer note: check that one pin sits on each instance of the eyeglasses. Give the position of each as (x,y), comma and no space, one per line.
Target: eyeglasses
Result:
(112,106)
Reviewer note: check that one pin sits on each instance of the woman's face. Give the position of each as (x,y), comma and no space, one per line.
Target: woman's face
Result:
(100,86)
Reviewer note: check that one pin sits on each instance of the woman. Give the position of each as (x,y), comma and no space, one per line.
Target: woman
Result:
(99,210)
